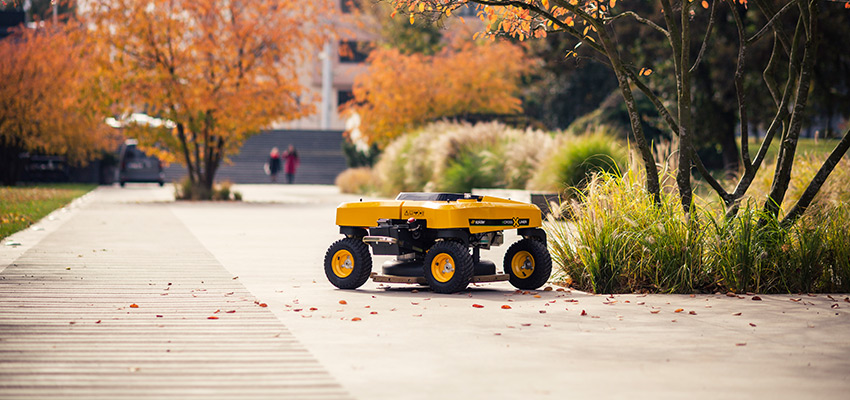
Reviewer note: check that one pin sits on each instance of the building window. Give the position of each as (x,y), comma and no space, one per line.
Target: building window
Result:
(351,51)
(344,96)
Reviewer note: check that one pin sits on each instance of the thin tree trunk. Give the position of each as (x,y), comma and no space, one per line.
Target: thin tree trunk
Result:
(782,176)
(652,185)
(814,186)
(181,135)
(683,175)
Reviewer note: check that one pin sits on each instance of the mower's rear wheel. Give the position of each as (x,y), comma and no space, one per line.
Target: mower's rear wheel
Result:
(448,267)
(528,264)
(348,263)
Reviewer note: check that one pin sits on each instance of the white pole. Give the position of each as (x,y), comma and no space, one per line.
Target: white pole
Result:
(27,8)
(327,86)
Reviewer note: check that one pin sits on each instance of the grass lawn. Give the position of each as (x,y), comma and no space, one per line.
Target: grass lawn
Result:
(22,206)
(804,146)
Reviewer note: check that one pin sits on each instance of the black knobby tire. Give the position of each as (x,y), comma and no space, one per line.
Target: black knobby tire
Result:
(524,254)
(358,269)
(442,280)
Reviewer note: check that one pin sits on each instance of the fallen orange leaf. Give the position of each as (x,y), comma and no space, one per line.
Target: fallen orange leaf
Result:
(478,306)
(134,305)
(213,317)
(373,312)
(356,319)
(313,308)
(678,310)
(536,296)
(343,302)
(506,307)
(263,305)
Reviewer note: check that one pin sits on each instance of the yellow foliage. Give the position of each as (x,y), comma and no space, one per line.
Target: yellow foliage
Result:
(401,92)
(220,70)
(50,100)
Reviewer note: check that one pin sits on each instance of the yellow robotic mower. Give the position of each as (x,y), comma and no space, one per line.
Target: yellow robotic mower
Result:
(437,238)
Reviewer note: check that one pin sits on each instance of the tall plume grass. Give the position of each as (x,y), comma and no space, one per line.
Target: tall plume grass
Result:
(456,157)
(620,242)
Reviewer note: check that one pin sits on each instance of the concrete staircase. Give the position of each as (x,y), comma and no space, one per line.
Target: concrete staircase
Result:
(320,153)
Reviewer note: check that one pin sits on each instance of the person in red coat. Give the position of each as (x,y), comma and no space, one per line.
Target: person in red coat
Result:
(290,163)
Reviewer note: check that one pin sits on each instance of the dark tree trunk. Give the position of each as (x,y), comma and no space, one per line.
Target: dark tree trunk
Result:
(11,164)
(729,151)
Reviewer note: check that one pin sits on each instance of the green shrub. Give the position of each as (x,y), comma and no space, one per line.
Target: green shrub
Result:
(470,170)
(573,161)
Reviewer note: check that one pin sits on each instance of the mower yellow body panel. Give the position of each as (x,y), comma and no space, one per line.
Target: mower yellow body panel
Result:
(481,214)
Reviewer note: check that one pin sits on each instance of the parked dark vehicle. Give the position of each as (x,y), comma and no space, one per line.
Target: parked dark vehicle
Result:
(40,168)
(136,166)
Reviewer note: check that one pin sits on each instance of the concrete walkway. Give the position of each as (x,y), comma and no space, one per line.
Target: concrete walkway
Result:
(408,342)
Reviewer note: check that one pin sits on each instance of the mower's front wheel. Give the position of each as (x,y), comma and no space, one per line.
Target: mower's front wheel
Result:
(448,267)
(348,263)
(528,264)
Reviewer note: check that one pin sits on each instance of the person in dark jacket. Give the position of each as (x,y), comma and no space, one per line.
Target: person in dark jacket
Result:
(274,163)
(290,163)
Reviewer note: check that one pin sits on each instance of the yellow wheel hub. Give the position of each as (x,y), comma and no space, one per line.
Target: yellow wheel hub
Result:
(522,264)
(342,263)
(443,267)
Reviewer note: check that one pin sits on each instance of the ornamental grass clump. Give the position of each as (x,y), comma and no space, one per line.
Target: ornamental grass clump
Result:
(574,159)
(457,157)
(621,242)
(358,180)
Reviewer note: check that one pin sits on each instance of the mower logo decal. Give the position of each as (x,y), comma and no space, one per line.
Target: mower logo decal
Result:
(413,213)
(514,222)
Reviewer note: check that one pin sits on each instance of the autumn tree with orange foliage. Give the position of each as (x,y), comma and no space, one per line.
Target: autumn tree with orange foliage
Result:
(50,98)
(219,70)
(401,92)
(792,25)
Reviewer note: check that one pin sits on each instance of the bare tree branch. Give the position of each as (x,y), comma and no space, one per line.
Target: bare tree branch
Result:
(705,38)
(640,19)
(770,23)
